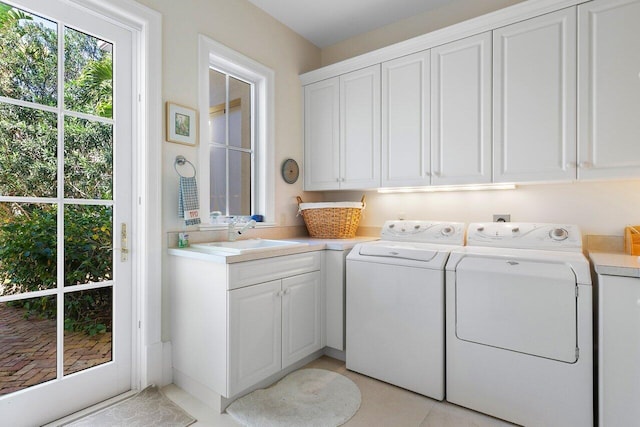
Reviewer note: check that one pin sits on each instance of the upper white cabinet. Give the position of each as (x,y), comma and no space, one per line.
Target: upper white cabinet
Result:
(534,92)
(360,129)
(406,159)
(322,135)
(609,89)
(542,96)
(342,131)
(461,111)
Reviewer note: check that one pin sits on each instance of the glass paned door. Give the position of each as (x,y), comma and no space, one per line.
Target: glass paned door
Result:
(65,202)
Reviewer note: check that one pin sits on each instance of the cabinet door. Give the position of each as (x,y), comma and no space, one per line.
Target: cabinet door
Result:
(609,89)
(405,121)
(301,317)
(619,350)
(461,111)
(255,334)
(360,129)
(322,135)
(534,84)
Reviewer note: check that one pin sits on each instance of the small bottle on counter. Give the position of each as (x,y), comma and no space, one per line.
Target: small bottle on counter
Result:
(183,240)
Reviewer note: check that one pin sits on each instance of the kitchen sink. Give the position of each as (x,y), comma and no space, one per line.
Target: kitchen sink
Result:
(249,245)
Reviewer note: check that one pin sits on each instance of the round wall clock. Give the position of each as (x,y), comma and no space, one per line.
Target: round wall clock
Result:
(290,171)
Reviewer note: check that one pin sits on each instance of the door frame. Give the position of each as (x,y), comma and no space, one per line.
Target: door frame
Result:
(146,27)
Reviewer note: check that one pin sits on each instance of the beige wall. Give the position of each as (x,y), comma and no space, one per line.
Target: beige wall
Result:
(604,207)
(242,27)
(245,28)
(452,13)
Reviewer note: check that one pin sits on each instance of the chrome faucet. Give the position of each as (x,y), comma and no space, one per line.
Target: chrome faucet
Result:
(233,233)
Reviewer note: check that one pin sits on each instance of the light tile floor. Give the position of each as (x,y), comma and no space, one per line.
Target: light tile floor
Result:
(382,405)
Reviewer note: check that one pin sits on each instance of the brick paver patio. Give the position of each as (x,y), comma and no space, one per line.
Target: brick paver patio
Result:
(28,350)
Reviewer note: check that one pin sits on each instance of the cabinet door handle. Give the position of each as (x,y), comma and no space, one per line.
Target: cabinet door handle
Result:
(570,165)
(585,165)
(286,291)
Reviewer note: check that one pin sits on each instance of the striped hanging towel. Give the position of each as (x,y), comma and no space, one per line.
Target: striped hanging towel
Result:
(188,201)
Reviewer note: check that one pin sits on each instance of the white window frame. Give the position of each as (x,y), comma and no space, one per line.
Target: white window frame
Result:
(219,56)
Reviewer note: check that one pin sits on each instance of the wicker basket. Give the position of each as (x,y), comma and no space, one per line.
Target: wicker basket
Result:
(632,239)
(331,220)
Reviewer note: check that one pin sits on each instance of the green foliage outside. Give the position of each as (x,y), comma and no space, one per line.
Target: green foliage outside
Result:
(29,167)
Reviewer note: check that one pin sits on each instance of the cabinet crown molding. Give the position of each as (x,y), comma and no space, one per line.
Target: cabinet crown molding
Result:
(509,15)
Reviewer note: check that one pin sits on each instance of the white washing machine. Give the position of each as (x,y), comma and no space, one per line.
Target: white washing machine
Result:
(519,324)
(395,304)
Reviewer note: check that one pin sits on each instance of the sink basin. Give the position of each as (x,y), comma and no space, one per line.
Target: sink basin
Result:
(244,246)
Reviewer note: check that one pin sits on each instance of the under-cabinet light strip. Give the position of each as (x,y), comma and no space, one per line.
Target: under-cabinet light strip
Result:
(441,188)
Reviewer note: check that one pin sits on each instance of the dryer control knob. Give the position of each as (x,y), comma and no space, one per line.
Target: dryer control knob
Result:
(391,225)
(480,229)
(559,234)
(515,230)
(417,227)
(447,231)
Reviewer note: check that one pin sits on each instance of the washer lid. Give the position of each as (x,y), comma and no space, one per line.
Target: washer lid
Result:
(411,251)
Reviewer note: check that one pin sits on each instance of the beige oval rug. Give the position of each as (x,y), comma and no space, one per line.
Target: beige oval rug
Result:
(307,397)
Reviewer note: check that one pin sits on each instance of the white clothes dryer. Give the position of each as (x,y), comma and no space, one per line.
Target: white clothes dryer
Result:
(519,324)
(395,304)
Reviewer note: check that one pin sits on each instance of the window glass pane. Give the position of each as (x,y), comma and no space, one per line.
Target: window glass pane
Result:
(27,343)
(88,74)
(88,244)
(218,179)
(88,161)
(239,183)
(88,319)
(28,56)
(27,247)
(28,152)
(239,114)
(218,127)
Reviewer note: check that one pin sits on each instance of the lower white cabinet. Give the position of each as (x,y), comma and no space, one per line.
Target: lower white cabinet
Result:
(618,350)
(234,325)
(271,326)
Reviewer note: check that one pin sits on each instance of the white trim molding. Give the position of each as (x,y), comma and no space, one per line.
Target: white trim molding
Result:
(213,53)
(500,18)
(147,308)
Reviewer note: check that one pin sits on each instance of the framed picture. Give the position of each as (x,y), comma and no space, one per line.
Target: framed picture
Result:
(182,124)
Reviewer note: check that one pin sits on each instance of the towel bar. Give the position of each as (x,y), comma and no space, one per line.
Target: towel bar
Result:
(181,161)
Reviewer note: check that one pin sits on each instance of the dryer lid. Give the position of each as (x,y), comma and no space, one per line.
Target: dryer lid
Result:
(518,305)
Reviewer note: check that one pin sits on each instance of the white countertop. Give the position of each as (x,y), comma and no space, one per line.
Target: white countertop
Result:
(615,264)
(230,258)
(336,244)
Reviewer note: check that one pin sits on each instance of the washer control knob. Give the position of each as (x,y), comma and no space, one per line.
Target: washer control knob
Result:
(559,234)
(417,227)
(447,230)
(391,225)
(480,228)
(515,230)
